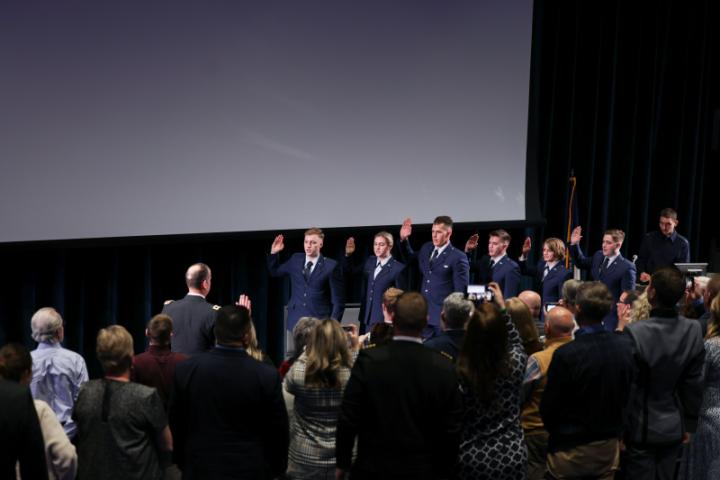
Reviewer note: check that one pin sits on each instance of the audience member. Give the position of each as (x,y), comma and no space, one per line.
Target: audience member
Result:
(443,268)
(624,308)
(667,391)
(569,295)
(587,387)
(380,272)
(301,333)
(381,333)
(60,455)
(317,381)
(228,416)
(559,326)
(58,373)
(496,266)
(316,282)
(522,318)
(692,304)
(550,272)
(662,248)
(712,289)
(534,302)
(402,405)
(193,317)
(455,314)
(490,367)
(156,366)
(122,427)
(607,265)
(700,461)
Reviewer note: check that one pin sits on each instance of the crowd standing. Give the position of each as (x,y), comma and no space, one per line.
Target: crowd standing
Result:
(598,379)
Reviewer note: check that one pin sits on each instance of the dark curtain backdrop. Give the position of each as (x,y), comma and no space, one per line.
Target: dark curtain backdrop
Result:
(623,94)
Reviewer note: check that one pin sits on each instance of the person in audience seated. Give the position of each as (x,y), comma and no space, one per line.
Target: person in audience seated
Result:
(402,405)
(316,282)
(496,266)
(122,426)
(490,367)
(662,248)
(533,301)
(569,295)
(700,461)
(380,272)
(522,318)
(550,272)
(58,373)
(317,380)
(301,333)
(607,265)
(559,326)
(60,455)
(193,317)
(228,416)
(455,314)
(588,384)
(443,268)
(156,366)
(669,353)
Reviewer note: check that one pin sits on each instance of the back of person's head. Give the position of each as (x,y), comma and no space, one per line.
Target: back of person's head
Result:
(714,322)
(389,299)
(45,325)
(301,334)
(640,308)
(484,353)
(15,362)
(456,310)
(559,322)
(253,346)
(533,301)
(593,302)
(523,320)
(114,349)
(160,328)
(381,333)
(327,352)
(712,288)
(232,325)
(196,274)
(410,314)
(443,220)
(569,293)
(667,287)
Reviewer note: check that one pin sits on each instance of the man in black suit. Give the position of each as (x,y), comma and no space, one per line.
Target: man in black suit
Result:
(228,415)
(193,317)
(403,406)
(588,386)
(22,440)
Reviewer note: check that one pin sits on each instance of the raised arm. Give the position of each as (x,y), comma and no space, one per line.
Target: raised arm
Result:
(581,261)
(273,260)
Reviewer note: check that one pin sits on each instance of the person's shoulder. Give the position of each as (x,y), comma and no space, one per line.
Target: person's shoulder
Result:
(682,239)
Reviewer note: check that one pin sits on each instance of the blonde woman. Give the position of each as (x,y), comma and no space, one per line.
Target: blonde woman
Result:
(317,380)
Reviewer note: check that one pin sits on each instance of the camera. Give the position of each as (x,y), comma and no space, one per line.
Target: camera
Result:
(550,305)
(479,293)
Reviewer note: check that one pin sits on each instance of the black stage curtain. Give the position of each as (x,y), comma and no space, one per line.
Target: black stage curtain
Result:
(622,93)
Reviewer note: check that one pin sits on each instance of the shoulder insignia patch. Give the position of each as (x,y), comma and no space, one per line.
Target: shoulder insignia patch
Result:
(168,302)
(216,307)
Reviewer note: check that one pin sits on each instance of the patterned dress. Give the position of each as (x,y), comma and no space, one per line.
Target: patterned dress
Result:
(701,460)
(492,445)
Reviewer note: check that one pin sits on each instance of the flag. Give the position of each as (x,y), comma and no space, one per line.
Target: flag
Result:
(573,219)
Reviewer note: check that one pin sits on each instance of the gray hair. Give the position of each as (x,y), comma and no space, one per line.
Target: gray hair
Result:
(457,310)
(45,324)
(301,333)
(569,291)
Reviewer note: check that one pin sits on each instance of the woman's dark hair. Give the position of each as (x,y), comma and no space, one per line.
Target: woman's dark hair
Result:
(484,356)
(15,361)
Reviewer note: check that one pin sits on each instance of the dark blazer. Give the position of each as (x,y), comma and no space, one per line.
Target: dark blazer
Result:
(588,385)
(193,324)
(22,439)
(449,273)
(619,276)
(391,275)
(506,273)
(319,296)
(551,286)
(228,417)
(403,406)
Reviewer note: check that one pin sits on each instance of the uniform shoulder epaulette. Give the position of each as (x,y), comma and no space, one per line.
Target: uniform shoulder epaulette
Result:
(216,307)
(447,355)
(168,302)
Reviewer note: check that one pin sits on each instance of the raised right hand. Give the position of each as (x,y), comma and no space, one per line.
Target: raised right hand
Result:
(472,242)
(278,244)
(349,246)
(576,235)
(406,229)
(527,245)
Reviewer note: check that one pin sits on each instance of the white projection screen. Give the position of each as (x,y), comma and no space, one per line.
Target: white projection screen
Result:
(141,118)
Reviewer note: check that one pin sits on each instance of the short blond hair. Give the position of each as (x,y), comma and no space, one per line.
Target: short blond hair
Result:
(387,236)
(315,231)
(114,348)
(617,235)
